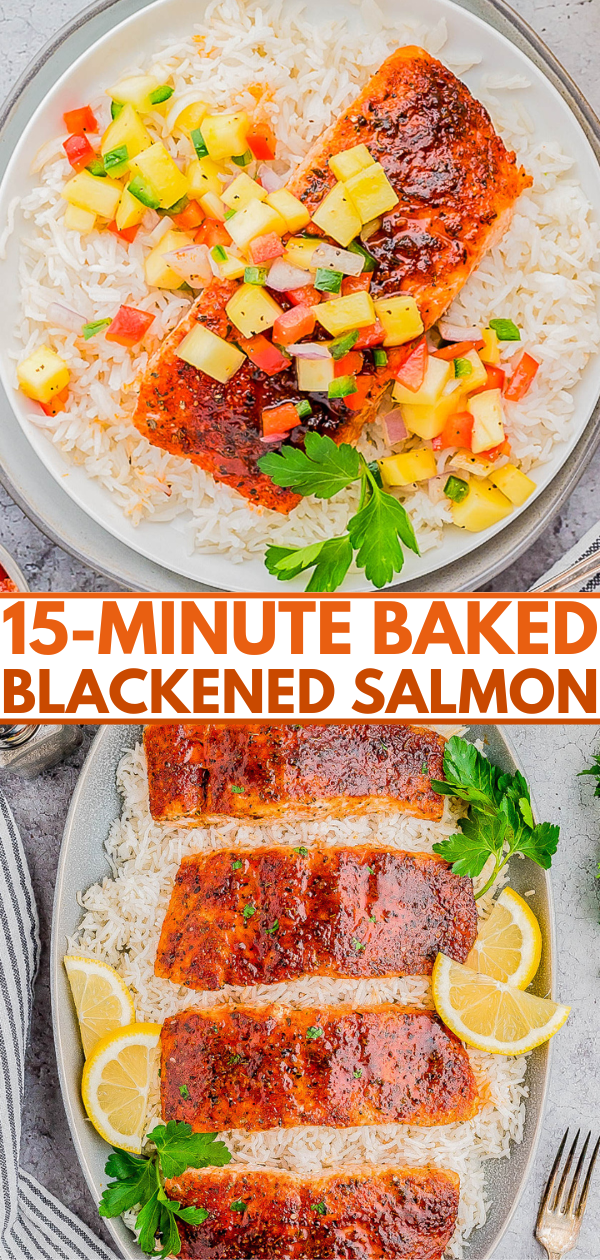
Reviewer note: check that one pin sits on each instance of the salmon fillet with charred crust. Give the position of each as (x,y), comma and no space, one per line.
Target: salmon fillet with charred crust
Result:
(358,911)
(265,1067)
(456,185)
(355,1212)
(205,771)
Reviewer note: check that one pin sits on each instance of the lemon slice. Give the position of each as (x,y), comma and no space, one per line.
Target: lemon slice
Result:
(509,944)
(116,1080)
(489,1014)
(102,1000)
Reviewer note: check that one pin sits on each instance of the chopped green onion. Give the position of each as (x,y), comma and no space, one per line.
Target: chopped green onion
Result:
(96,167)
(314,1032)
(343,344)
(255,275)
(341,387)
(357,945)
(462,367)
(229,214)
(238,1205)
(357,1073)
(115,108)
(380,358)
(456,489)
(160,94)
(143,192)
(235,866)
(198,142)
(248,911)
(505,330)
(234,787)
(116,157)
(244,159)
(369,263)
(328,281)
(304,409)
(302,851)
(319,1207)
(184,1091)
(274,928)
(219,254)
(96,326)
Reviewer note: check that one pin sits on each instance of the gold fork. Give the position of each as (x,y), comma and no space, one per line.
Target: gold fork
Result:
(560,1215)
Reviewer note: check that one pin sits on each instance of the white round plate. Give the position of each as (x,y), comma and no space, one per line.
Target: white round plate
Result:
(165,543)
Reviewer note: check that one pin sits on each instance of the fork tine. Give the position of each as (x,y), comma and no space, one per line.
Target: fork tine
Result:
(580,1209)
(562,1182)
(552,1178)
(575,1181)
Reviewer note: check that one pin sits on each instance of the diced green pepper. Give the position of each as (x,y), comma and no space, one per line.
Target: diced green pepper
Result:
(177,208)
(244,159)
(342,345)
(462,367)
(328,281)
(96,167)
(115,108)
(96,326)
(380,358)
(255,275)
(456,489)
(341,387)
(143,192)
(505,330)
(303,408)
(116,159)
(198,143)
(160,94)
(229,214)
(369,263)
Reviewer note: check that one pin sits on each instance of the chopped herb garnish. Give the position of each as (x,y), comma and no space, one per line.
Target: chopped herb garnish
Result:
(302,851)
(462,367)
(380,358)
(342,345)
(505,330)
(255,275)
(424,768)
(116,157)
(244,159)
(318,1207)
(229,214)
(357,1073)
(160,94)
(314,1032)
(234,1059)
(198,143)
(115,108)
(371,870)
(456,489)
(328,281)
(369,263)
(219,254)
(341,387)
(238,1205)
(303,408)
(96,326)
(96,167)
(143,192)
(248,911)
(274,928)
(234,787)
(235,866)
(594,770)
(373,918)
(184,1091)
(358,945)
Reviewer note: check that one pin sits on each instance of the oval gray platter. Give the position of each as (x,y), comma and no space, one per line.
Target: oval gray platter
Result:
(82,861)
(57,515)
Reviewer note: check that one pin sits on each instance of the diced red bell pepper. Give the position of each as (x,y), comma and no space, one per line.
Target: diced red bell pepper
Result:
(56,404)
(262,142)
(412,372)
(356,284)
(212,233)
(521,378)
(306,296)
(363,386)
(492,454)
(190,218)
(495,379)
(349,365)
(126,234)
(265,248)
(457,431)
(371,336)
(128,326)
(281,419)
(457,350)
(80,120)
(79,152)
(264,354)
(294,324)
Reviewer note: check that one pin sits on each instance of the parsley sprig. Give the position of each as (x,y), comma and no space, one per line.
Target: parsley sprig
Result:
(376,533)
(500,821)
(594,769)
(139,1183)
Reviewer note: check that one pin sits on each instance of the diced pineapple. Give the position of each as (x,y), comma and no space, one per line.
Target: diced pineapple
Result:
(513,483)
(471,463)
(354,311)
(488,418)
(428,422)
(351,161)
(135,91)
(77,220)
(491,347)
(212,206)
(402,470)
(290,208)
(43,374)
(299,251)
(99,196)
(158,273)
(437,374)
(483,506)
(337,216)
(401,319)
(211,354)
(256,219)
(225,135)
(203,176)
(130,211)
(371,192)
(315,375)
(158,169)
(191,117)
(478,376)
(242,191)
(252,309)
(232,268)
(128,129)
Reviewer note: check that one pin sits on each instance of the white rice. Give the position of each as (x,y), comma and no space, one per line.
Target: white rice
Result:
(541,274)
(121,924)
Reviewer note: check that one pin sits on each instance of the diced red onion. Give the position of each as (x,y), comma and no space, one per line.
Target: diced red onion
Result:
(309,350)
(283,276)
(150,220)
(65,317)
(192,263)
(269,178)
(276,437)
(338,260)
(394,427)
(454,332)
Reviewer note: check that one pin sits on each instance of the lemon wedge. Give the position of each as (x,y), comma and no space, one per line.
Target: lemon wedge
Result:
(116,1081)
(509,944)
(102,1000)
(489,1014)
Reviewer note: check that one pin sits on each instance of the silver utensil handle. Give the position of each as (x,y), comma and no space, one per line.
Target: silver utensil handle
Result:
(575,576)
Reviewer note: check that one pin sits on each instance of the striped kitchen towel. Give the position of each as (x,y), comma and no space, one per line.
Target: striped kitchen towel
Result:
(33,1224)
(586,547)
